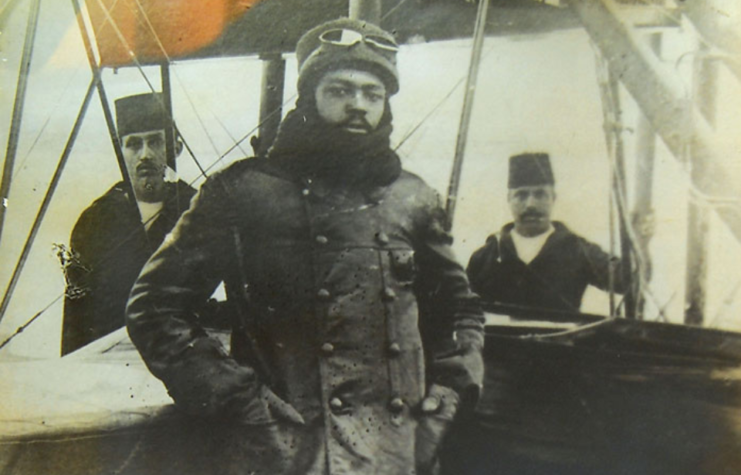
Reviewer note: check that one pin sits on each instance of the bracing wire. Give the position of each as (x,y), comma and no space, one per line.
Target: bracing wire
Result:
(138,64)
(237,144)
(611,129)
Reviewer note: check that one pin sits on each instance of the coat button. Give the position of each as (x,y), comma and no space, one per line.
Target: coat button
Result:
(323,294)
(336,404)
(394,349)
(327,348)
(396,404)
(389,294)
(321,239)
(305,192)
(382,238)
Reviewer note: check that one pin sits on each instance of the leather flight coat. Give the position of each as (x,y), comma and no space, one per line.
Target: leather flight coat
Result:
(349,307)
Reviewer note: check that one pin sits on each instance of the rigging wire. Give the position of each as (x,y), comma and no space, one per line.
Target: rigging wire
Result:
(139,67)
(393,10)
(19,168)
(132,234)
(228,132)
(21,328)
(613,128)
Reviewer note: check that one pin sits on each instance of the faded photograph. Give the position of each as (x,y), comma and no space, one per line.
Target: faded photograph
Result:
(431,237)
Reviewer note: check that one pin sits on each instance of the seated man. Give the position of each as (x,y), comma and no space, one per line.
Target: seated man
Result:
(534,261)
(111,241)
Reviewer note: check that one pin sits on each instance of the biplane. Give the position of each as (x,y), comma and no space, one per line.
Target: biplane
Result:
(635,99)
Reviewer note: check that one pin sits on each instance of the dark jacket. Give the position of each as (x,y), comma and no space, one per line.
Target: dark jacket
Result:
(329,284)
(555,279)
(109,247)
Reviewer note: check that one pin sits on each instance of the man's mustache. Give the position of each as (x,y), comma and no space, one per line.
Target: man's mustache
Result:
(356,120)
(148,166)
(531,214)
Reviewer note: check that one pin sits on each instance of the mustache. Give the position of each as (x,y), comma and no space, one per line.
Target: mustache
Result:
(356,119)
(147,166)
(531,214)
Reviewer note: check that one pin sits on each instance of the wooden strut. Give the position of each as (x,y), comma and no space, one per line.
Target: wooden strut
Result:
(365,10)
(96,70)
(20,99)
(46,201)
(620,194)
(716,26)
(169,131)
(460,145)
(698,217)
(661,97)
(271,101)
(644,179)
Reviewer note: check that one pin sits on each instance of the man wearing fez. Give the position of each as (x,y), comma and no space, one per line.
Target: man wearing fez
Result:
(356,336)
(115,236)
(534,261)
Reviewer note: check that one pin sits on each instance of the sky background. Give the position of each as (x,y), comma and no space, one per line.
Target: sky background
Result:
(535,93)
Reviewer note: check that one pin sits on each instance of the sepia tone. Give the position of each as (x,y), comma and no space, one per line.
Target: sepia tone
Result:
(635,101)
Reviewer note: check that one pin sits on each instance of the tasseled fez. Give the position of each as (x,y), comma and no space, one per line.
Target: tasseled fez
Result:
(141,113)
(530,169)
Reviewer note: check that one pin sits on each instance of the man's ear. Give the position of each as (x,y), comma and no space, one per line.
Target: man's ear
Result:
(178,147)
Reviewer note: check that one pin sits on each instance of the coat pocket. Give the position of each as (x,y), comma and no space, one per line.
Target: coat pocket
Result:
(262,408)
(403,268)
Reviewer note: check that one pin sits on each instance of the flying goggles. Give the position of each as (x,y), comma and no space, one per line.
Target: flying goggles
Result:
(347,38)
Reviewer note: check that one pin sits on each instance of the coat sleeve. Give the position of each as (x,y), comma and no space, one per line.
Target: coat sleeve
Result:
(451,319)
(597,267)
(480,265)
(162,323)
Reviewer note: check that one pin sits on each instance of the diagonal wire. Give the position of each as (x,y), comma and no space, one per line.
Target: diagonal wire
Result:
(393,9)
(139,67)
(21,328)
(19,167)
(437,106)
(252,131)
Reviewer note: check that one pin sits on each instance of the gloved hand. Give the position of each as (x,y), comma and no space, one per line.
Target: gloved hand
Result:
(438,409)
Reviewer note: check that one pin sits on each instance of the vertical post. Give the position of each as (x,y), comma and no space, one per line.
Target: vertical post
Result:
(645,157)
(366,10)
(460,144)
(271,100)
(20,99)
(169,131)
(621,198)
(705,86)
(104,105)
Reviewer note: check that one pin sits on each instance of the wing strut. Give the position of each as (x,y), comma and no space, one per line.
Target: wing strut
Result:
(20,99)
(460,145)
(47,200)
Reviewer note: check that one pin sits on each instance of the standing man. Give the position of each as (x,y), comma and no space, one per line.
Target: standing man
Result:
(356,336)
(534,261)
(111,241)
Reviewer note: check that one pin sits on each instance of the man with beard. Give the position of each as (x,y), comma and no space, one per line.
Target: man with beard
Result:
(356,337)
(113,239)
(534,261)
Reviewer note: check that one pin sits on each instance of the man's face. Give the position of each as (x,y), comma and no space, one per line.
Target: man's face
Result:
(531,208)
(146,160)
(351,99)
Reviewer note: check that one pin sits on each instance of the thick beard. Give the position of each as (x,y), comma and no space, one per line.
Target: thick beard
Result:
(308,146)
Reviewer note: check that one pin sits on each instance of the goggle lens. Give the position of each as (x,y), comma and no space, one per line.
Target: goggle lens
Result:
(345,37)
